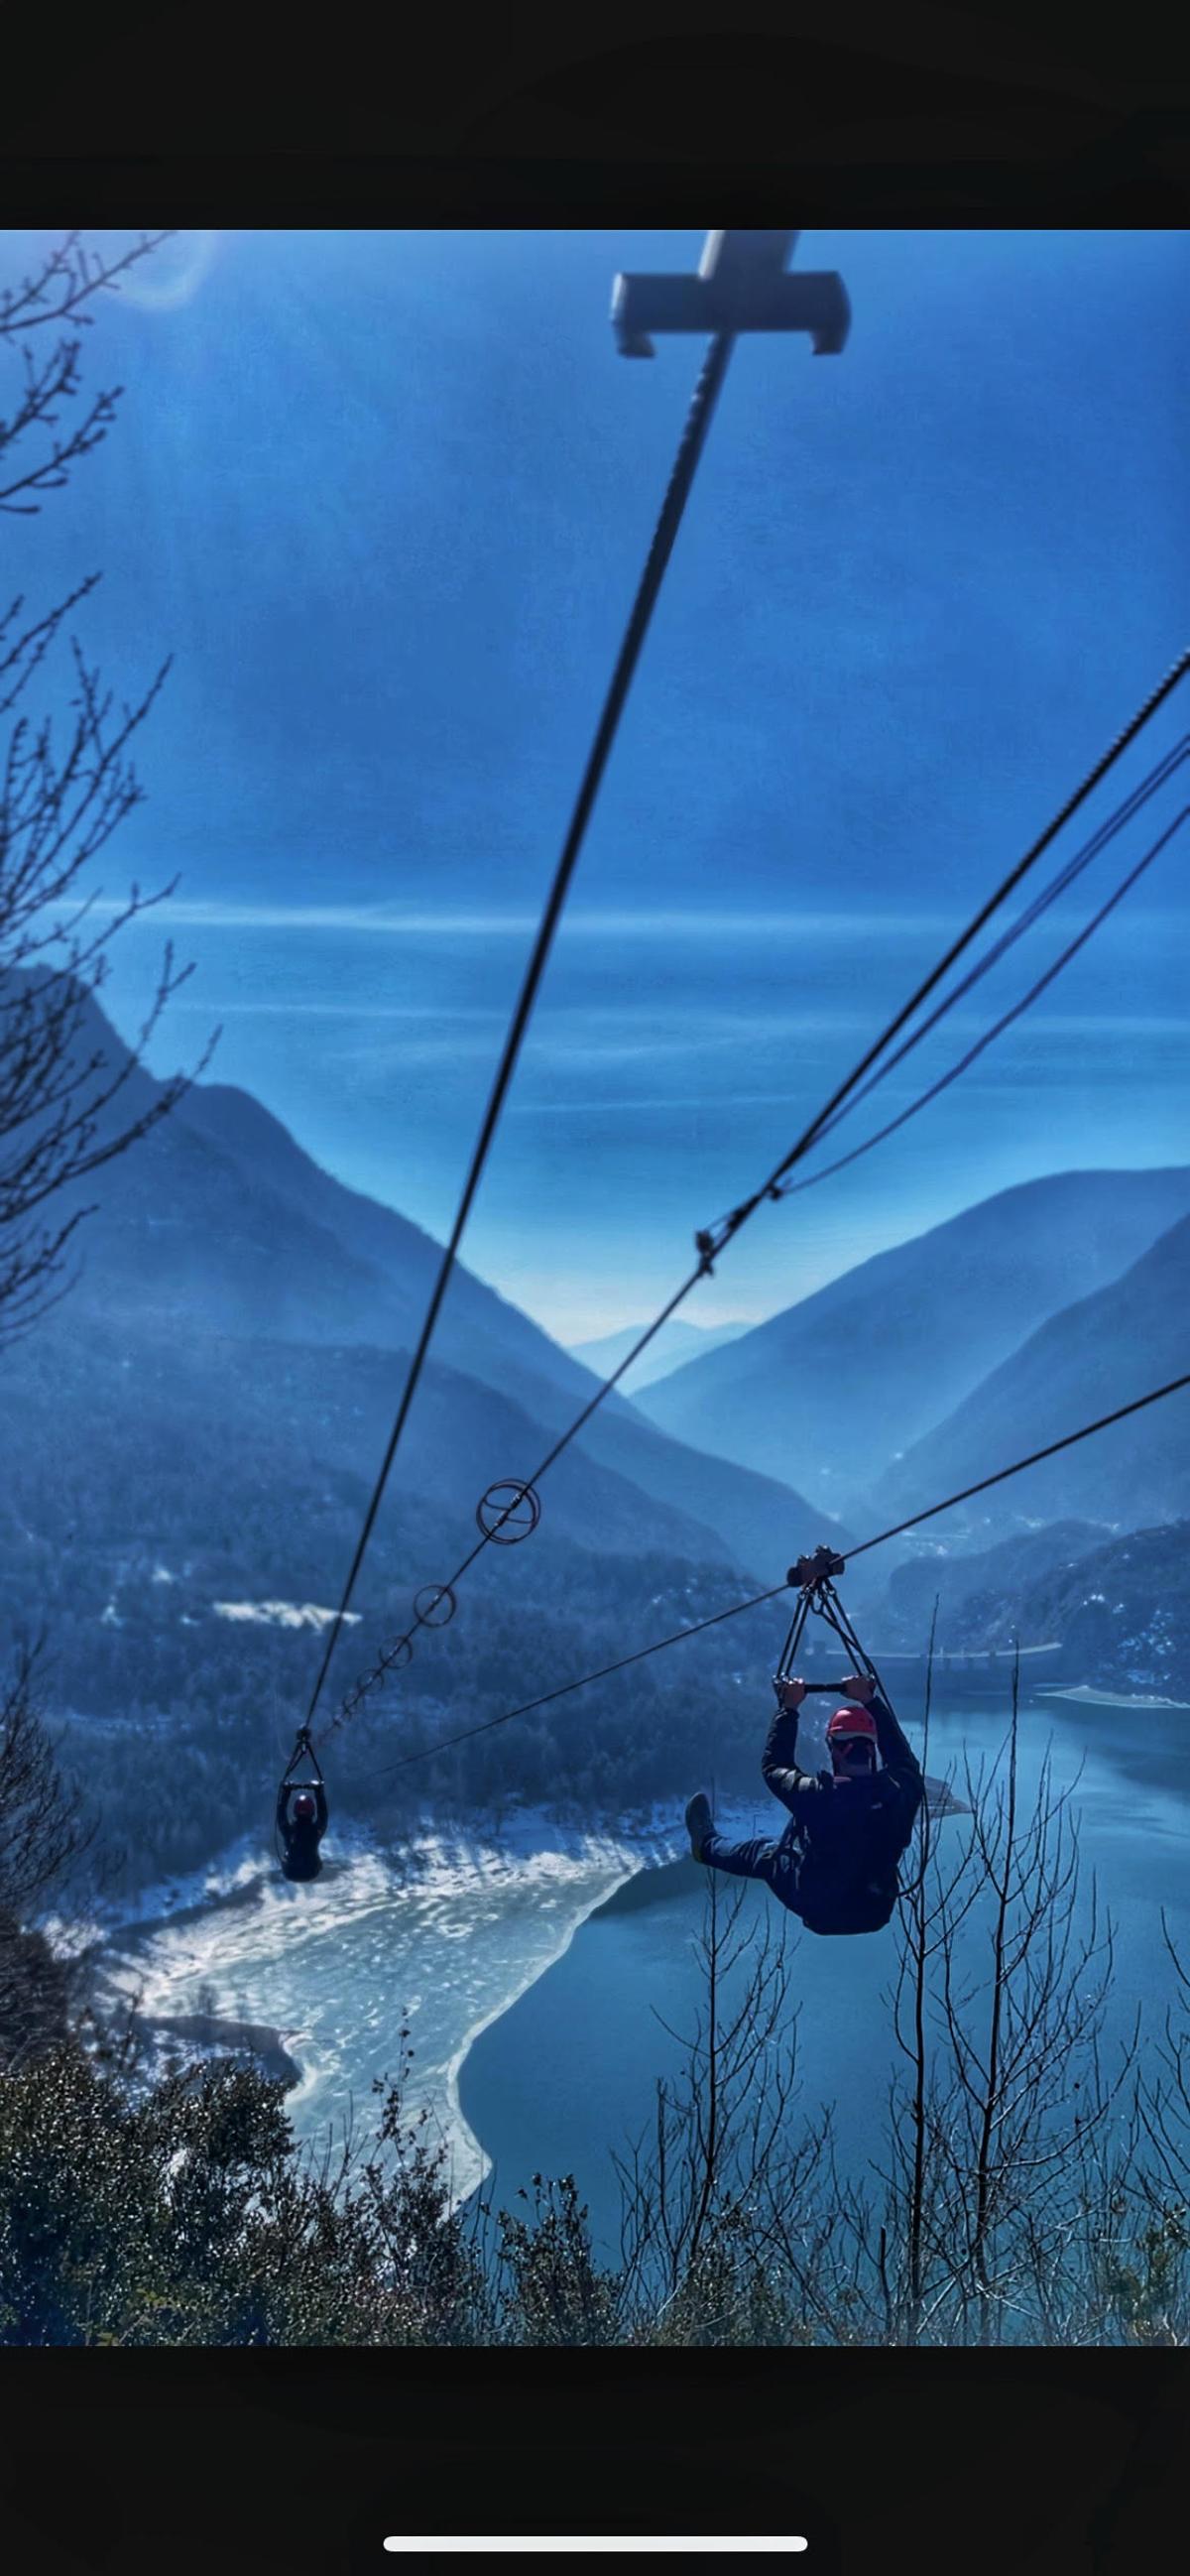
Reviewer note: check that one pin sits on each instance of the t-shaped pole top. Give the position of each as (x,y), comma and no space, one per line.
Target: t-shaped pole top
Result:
(742,285)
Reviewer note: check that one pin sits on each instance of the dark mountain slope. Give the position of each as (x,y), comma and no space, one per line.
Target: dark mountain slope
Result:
(217,1222)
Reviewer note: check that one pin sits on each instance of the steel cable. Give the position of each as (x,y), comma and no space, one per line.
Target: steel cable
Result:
(690,448)
(639,1654)
(770,1189)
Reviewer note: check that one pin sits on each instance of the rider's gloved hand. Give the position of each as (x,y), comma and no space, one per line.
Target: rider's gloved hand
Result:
(789,1695)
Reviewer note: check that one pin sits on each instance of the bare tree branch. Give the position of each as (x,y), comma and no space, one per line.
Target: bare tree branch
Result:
(65,1109)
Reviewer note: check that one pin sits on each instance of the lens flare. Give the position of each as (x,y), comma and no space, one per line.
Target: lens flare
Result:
(172,275)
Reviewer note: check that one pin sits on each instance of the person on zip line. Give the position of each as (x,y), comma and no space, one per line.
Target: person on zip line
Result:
(835,1864)
(302,1816)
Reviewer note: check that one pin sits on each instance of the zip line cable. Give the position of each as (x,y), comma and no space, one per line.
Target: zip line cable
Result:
(810,1135)
(546,1698)
(698,421)
(1158,777)
(527,1706)
(1015,1012)
(1068,1441)
(709,1248)
(769,1189)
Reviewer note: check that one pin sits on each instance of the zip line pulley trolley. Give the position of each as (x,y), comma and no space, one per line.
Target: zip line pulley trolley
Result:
(813,1579)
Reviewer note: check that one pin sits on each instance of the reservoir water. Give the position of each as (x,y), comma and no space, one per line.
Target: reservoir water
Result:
(536,1969)
(568,2075)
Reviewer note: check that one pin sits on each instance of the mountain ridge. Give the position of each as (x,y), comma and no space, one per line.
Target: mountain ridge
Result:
(1094,1355)
(871,1362)
(677,1341)
(219,1222)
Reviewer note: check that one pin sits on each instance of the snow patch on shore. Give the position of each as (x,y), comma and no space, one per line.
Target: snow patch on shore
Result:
(440,1934)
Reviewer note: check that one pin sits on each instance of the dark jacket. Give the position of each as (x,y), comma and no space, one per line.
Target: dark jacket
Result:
(847,1835)
(301,1838)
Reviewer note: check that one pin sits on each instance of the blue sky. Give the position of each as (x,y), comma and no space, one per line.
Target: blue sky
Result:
(385,498)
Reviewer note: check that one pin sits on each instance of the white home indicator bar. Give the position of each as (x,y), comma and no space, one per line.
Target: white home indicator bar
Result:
(713,2541)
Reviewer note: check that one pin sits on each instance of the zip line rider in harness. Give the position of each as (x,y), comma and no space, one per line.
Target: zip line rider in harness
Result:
(835,1865)
(302,1825)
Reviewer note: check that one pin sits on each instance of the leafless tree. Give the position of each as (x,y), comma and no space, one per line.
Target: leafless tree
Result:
(940,1893)
(1165,2100)
(1022,2187)
(44,1837)
(44,1832)
(999,2006)
(1136,2204)
(65,1106)
(713,2198)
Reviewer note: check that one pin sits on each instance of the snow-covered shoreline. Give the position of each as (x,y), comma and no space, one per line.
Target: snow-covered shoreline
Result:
(456,1921)
(1092,1698)
(431,1852)
(232,1875)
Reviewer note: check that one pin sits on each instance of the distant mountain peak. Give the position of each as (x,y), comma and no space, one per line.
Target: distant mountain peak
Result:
(830,1389)
(219,1231)
(678,1341)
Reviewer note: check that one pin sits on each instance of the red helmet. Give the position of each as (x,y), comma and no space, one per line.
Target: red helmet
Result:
(304,1807)
(851,1721)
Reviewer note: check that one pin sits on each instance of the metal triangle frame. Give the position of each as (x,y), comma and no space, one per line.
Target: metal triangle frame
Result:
(812,1575)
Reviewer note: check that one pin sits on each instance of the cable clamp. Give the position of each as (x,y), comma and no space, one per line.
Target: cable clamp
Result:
(812,1572)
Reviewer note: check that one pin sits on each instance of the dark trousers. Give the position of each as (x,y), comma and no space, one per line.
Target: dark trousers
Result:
(777,1863)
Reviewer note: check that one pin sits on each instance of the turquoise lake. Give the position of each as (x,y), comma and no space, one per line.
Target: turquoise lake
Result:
(535,1969)
(568,2073)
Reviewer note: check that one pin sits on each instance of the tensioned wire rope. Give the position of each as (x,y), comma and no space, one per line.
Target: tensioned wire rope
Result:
(1015,1011)
(1124,813)
(698,1627)
(677,492)
(710,1247)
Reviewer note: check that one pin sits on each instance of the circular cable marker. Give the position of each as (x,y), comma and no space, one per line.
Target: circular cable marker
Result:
(435,1605)
(509,1511)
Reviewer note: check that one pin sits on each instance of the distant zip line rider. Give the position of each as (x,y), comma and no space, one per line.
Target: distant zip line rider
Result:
(835,1865)
(301,1814)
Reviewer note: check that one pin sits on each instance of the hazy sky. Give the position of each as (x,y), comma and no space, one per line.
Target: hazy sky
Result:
(385,498)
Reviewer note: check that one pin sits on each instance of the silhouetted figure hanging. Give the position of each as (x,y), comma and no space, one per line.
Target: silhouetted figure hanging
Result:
(301,1814)
(835,1865)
